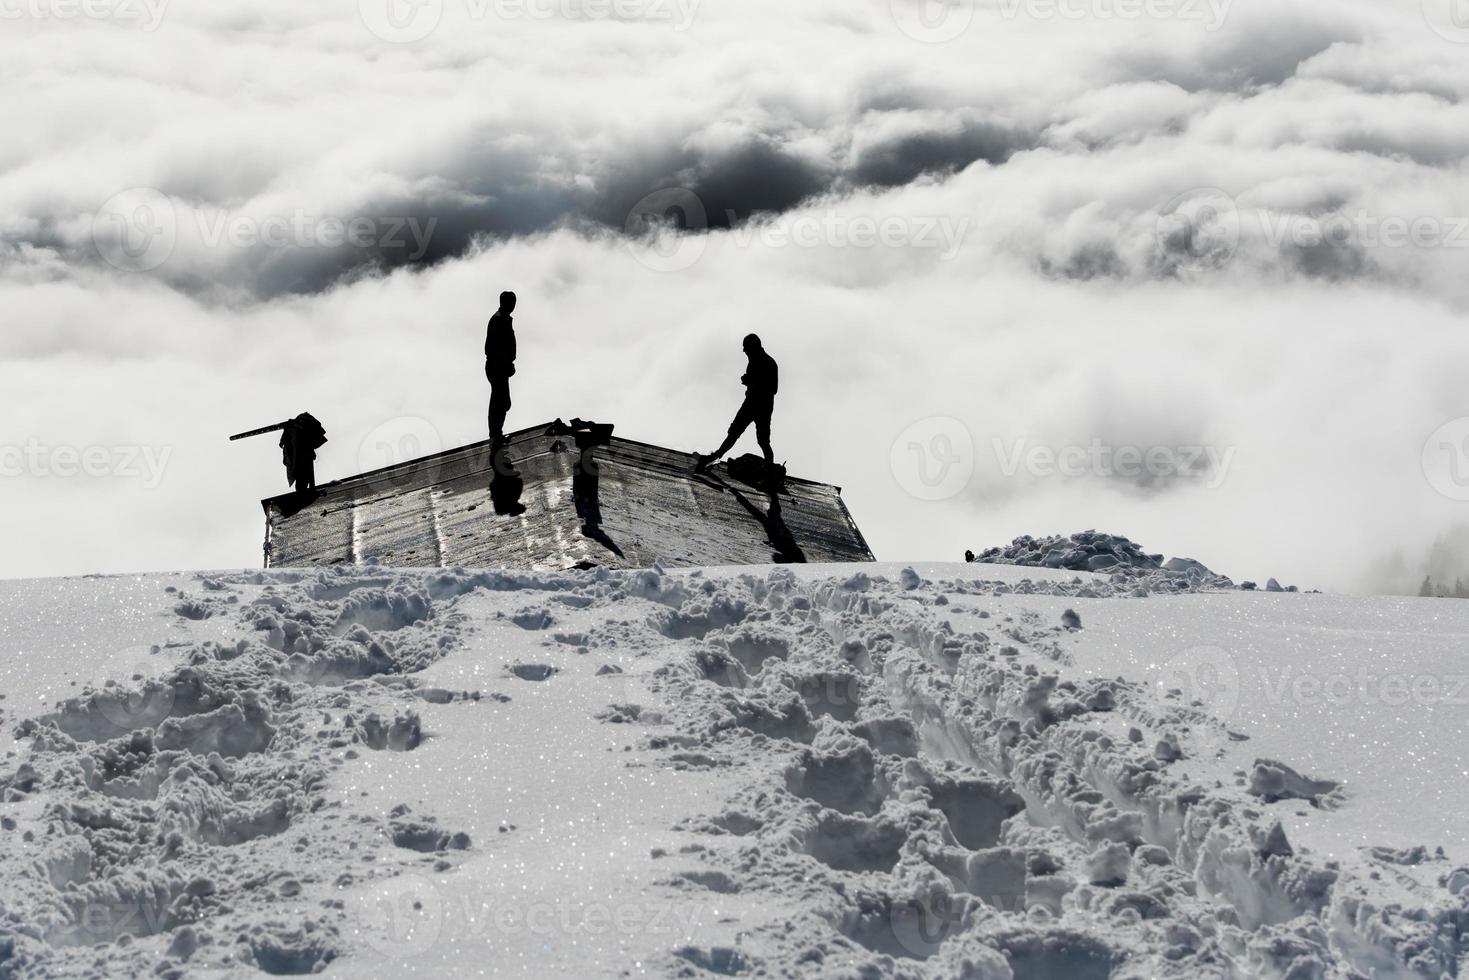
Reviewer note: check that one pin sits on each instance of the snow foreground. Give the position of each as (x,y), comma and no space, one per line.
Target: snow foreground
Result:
(867,771)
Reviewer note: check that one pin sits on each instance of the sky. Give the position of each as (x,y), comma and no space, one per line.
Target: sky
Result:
(1191,271)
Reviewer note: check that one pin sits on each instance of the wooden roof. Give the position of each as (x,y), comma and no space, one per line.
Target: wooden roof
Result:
(629,505)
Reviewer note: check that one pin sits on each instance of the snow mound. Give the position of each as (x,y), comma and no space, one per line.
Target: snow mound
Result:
(1114,555)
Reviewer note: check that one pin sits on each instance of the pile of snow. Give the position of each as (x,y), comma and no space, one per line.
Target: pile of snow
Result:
(874,771)
(1094,551)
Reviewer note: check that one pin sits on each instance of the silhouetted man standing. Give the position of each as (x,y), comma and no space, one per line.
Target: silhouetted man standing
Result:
(500,365)
(761,380)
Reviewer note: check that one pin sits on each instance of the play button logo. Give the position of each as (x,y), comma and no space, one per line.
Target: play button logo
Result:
(1449,19)
(401,21)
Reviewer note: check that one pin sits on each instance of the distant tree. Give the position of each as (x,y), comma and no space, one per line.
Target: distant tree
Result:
(1426,591)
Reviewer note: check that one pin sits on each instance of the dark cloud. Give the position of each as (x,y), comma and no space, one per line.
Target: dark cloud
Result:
(1332,261)
(539,161)
(1092,260)
(937,151)
(757,174)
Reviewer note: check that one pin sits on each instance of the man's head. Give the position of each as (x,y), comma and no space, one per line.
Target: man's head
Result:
(752,344)
(507,302)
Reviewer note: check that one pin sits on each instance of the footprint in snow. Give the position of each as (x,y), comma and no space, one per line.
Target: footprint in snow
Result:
(533,619)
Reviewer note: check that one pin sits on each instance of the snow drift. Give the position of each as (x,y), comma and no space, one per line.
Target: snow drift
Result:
(820,771)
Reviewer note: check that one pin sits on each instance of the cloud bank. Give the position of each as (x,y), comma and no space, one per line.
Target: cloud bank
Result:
(1232,236)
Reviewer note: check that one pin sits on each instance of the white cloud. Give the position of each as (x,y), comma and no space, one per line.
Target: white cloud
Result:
(1078,309)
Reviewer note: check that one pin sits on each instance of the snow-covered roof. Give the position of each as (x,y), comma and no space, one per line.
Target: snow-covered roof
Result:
(637,504)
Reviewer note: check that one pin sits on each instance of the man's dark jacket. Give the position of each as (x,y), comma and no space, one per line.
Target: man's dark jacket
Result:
(500,346)
(762,380)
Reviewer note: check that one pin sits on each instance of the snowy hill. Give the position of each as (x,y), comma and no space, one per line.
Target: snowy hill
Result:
(945,771)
